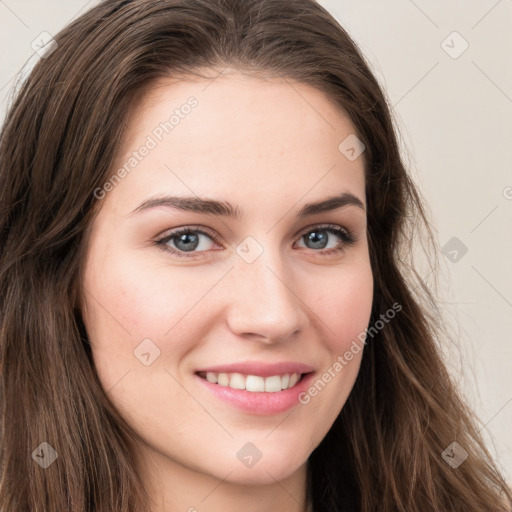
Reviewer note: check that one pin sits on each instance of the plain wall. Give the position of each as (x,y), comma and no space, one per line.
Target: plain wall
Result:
(454,112)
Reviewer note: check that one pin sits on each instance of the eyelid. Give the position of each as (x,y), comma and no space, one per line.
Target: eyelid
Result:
(324,225)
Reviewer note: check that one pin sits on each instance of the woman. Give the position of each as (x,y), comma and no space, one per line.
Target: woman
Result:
(206,297)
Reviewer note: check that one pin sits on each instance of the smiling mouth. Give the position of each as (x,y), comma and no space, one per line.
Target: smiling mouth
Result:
(254,383)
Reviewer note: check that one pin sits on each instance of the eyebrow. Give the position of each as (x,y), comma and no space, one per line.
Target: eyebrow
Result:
(226,209)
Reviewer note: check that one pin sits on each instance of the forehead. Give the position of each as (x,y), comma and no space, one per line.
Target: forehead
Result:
(238,134)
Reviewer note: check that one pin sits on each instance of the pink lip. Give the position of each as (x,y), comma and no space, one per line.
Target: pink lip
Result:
(263,403)
(260,369)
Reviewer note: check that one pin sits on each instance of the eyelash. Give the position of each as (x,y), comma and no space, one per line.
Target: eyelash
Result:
(347,237)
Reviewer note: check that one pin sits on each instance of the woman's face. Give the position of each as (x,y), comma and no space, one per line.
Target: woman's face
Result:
(273,285)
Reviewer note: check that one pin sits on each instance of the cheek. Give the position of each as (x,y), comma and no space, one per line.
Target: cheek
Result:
(343,310)
(345,306)
(134,301)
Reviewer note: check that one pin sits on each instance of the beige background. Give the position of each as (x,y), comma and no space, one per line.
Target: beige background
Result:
(454,111)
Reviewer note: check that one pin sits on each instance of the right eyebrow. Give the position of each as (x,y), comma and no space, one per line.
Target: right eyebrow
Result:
(190,204)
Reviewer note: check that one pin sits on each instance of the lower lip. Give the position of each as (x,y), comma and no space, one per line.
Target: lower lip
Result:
(262,403)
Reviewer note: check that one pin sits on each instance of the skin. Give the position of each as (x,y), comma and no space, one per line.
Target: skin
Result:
(268,147)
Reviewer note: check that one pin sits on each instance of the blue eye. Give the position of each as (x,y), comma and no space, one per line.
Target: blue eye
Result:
(185,240)
(188,240)
(319,239)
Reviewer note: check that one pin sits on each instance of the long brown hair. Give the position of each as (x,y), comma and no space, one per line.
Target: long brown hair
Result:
(58,145)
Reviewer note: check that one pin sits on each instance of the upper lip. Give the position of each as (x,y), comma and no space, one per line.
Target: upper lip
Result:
(260,369)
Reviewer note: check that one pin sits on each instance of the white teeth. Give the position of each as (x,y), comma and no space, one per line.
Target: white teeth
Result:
(236,381)
(211,377)
(273,384)
(254,383)
(223,379)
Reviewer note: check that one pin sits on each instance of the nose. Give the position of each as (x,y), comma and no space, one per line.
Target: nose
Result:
(265,301)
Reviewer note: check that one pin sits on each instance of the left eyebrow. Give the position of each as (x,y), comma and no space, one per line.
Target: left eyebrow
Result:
(226,209)
(332,203)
